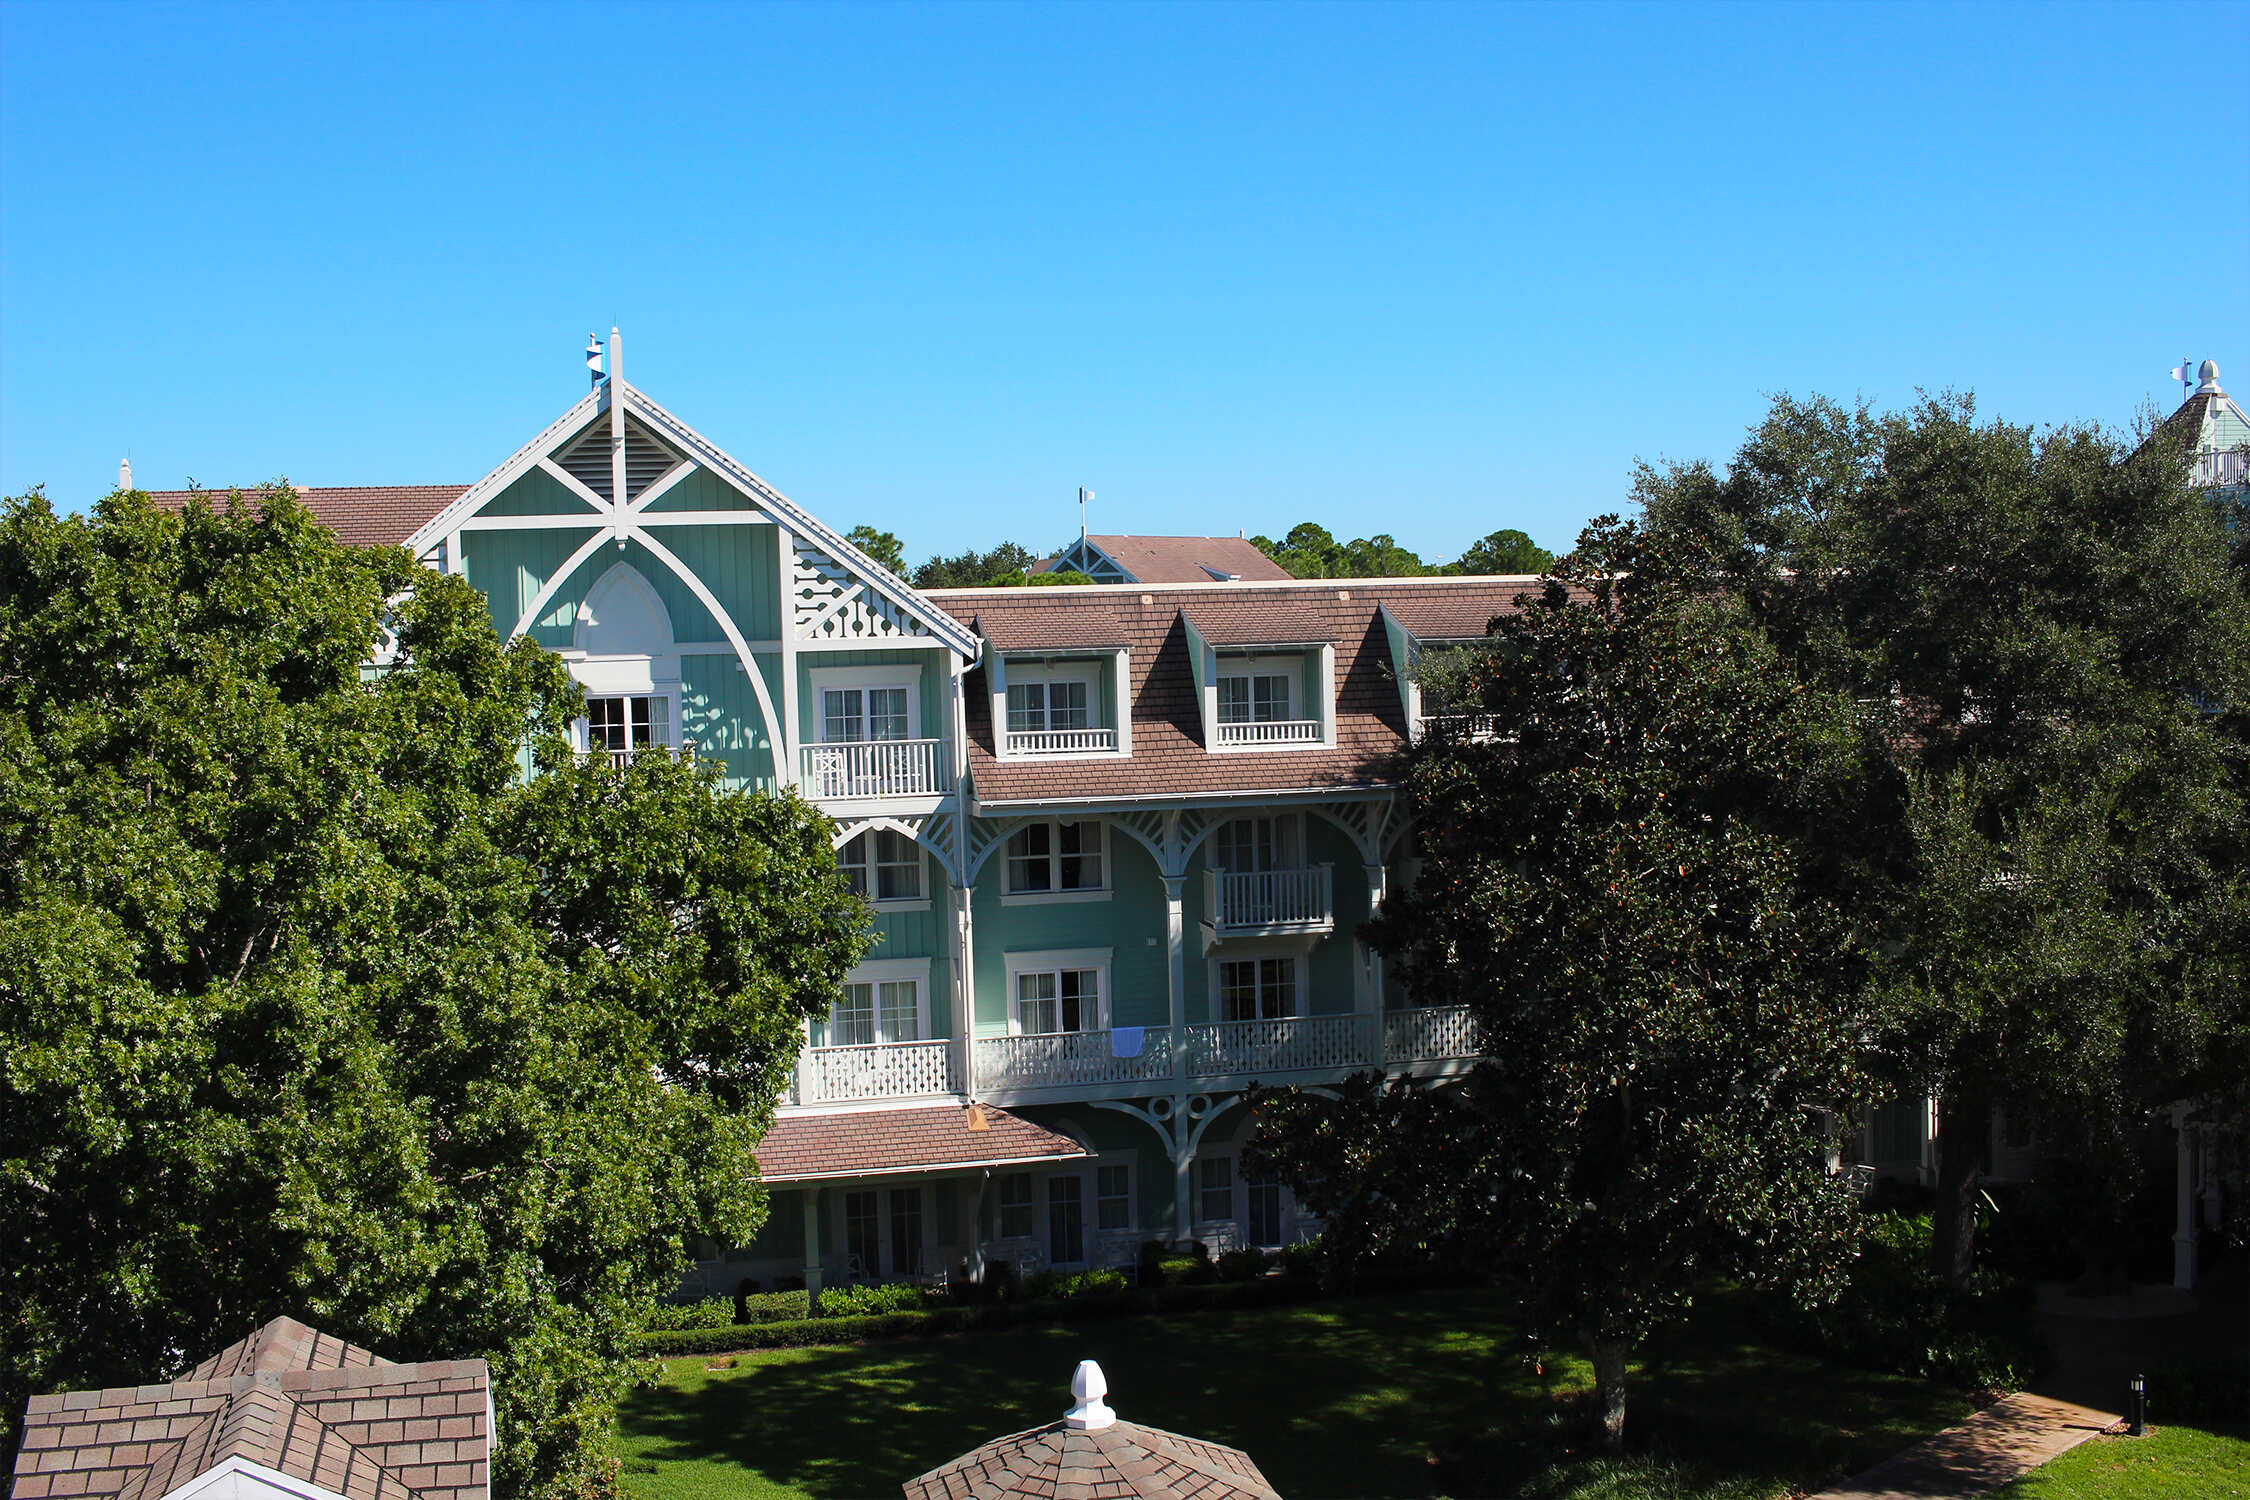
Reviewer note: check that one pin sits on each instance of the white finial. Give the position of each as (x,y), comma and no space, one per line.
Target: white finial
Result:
(1089,1385)
(2209,375)
(616,358)
(124,473)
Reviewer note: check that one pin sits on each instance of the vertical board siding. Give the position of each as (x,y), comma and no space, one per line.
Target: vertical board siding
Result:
(737,564)
(1126,923)
(719,713)
(703,490)
(535,493)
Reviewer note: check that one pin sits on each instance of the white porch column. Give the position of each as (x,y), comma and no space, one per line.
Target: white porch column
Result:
(964,983)
(1183,1194)
(811,1197)
(1367,974)
(2184,1232)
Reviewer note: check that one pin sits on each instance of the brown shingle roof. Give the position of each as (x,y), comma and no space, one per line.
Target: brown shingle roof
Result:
(1168,756)
(1030,628)
(1124,1461)
(1258,620)
(877,1142)
(1183,559)
(1449,615)
(287,1398)
(381,515)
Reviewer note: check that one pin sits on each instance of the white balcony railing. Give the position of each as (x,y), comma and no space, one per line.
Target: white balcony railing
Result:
(1271,732)
(1430,1034)
(1476,727)
(1270,901)
(1061,741)
(872,769)
(887,1070)
(1292,1044)
(1070,1057)
(2223,466)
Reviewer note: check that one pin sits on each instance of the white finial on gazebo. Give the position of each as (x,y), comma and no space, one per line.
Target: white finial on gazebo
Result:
(124,473)
(2209,375)
(1088,1385)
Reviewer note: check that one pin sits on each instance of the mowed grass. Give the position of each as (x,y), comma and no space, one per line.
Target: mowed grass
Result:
(2171,1463)
(1426,1394)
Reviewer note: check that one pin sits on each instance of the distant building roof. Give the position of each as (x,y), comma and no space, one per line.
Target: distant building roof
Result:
(289,1401)
(1167,559)
(367,515)
(878,1142)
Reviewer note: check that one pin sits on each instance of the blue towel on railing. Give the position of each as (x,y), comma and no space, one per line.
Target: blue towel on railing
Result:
(1125,1041)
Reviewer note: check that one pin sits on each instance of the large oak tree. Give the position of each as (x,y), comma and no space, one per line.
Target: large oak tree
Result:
(346,991)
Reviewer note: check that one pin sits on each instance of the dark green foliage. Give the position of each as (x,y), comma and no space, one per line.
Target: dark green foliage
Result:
(1899,1315)
(1245,1264)
(2047,632)
(1640,890)
(1308,551)
(1504,552)
(1003,565)
(311,1004)
(710,1312)
(1061,577)
(2213,1391)
(882,546)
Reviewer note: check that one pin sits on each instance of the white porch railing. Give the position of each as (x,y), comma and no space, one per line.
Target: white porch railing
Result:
(1270,901)
(2222,466)
(887,1070)
(876,768)
(1288,1045)
(1429,1034)
(1066,1057)
(1271,732)
(1479,727)
(1060,741)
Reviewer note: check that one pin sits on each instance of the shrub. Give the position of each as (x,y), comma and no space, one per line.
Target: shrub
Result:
(1000,1281)
(870,1301)
(1301,1259)
(1101,1281)
(1153,1254)
(1041,1286)
(774,1307)
(1181,1270)
(2213,1391)
(1245,1264)
(710,1312)
(1898,1315)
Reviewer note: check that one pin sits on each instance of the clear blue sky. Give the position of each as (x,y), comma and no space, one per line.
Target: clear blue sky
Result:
(1430,270)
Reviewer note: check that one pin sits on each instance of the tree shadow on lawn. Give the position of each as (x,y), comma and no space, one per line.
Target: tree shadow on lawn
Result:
(1398,1396)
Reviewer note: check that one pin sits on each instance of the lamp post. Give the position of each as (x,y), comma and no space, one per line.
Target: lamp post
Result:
(2136,1425)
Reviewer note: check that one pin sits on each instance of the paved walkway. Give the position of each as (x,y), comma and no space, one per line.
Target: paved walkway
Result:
(2000,1443)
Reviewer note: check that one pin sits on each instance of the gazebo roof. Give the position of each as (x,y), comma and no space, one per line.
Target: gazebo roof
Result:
(1090,1455)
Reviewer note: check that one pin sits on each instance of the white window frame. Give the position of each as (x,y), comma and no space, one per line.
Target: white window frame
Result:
(1234,1186)
(885,1221)
(1037,673)
(1054,895)
(1054,961)
(898,903)
(1008,669)
(1000,1207)
(1128,1162)
(1249,673)
(1311,671)
(582,728)
(823,680)
(1289,829)
(1300,964)
(881,971)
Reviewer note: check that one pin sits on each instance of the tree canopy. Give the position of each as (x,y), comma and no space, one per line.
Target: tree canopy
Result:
(1629,873)
(1004,565)
(313,1001)
(882,546)
(2048,631)
(1311,551)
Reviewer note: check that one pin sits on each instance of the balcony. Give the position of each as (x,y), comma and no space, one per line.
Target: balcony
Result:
(1474,728)
(1262,734)
(876,770)
(1287,1044)
(1264,903)
(1061,741)
(1067,1058)
(1436,1033)
(886,1070)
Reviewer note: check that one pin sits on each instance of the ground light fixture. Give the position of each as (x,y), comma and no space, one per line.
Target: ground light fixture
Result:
(2137,1424)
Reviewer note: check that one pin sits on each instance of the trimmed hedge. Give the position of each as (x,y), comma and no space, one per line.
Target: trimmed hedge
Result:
(1087,1306)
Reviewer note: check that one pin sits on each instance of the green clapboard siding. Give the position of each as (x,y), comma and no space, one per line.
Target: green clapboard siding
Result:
(536,493)
(1131,922)
(719,713)
(702,490)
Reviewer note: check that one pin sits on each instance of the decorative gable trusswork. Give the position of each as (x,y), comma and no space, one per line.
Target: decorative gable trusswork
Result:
(646,461)
(829,603)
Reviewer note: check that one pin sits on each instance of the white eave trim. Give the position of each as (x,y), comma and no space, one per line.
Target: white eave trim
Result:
(928,1168)
(237,1478)
(473,499)
(947,630)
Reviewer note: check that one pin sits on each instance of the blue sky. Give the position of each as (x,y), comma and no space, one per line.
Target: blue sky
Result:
(1431,270)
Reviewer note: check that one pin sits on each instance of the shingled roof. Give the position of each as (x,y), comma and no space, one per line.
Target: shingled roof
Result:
(1091,1455)
(1183,559)
(287,1399)
(373,515)
(880,1142)
(1168,757)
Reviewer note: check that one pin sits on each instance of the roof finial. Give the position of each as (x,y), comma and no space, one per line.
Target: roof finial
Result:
(1089,1385)
(125,473)
(2209,375)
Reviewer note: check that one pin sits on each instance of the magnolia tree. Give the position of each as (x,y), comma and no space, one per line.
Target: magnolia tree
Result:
(1634,877)
(312,1001)
(2051,638)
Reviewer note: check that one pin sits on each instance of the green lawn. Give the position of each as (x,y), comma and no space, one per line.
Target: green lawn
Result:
(1427,1394)
(2171,1463)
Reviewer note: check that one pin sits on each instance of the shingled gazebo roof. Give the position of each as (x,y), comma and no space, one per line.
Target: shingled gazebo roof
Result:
(1090,1455)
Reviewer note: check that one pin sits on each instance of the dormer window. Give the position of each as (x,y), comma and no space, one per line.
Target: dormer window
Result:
(1058,705)
(1048,706)
(1255,698)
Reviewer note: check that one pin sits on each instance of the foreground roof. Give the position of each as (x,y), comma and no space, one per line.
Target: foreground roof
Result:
(880,1142)
(1123,1461)
(288,1403)
(365,515)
